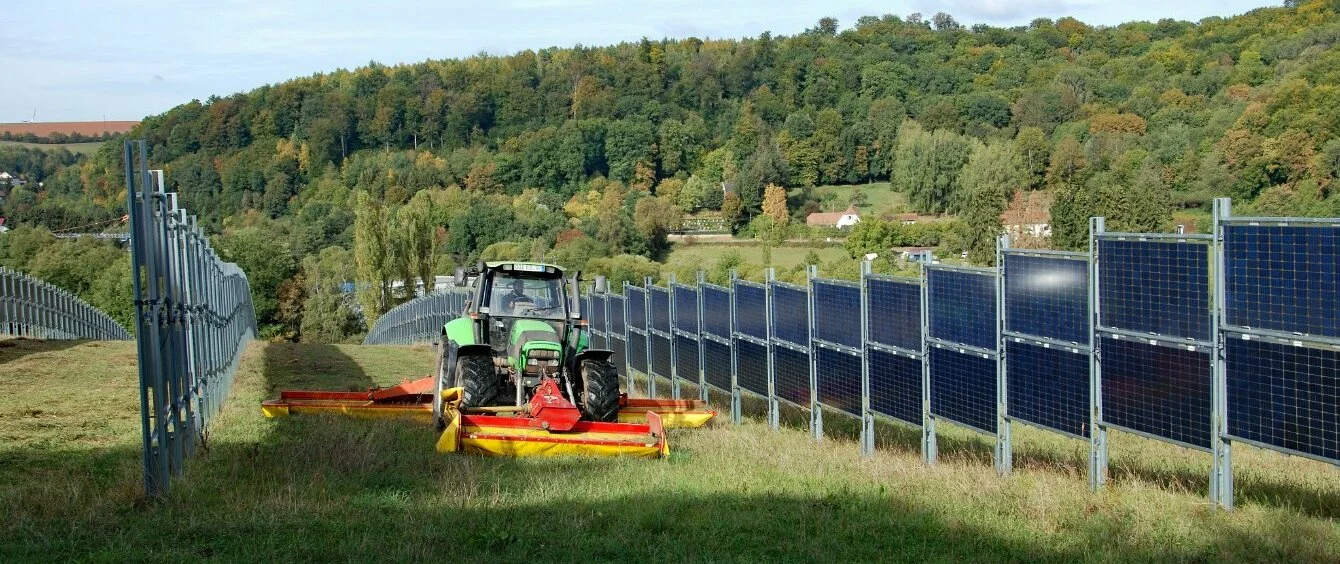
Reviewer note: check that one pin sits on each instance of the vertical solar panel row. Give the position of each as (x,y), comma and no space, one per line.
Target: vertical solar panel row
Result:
(1154,336)
(894,346)
(962,345)
(1047,339)
(1281,333)
(716,337)
(687,335)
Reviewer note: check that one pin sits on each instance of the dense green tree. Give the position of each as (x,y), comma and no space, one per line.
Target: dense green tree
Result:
(989,179)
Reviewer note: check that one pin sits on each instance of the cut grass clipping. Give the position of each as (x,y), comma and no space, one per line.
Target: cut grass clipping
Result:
(322,488)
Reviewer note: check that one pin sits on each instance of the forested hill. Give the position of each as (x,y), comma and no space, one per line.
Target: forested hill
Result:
(564,144)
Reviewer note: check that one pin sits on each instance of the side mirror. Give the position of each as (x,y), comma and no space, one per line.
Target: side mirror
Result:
(601,286)
(459,278)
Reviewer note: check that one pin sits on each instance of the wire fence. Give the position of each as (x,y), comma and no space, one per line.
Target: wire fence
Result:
(418,320)
(193,319)
(35,309)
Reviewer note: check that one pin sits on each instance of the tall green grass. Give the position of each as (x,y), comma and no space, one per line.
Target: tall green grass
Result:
(329,488)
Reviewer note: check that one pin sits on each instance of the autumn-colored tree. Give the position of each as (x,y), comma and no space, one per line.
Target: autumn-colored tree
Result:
(774,203)
(731,208)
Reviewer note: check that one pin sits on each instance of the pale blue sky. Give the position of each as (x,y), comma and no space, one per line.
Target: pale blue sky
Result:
(132,58)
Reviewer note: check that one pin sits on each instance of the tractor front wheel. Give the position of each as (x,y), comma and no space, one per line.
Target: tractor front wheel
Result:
(480,384)
(600,391)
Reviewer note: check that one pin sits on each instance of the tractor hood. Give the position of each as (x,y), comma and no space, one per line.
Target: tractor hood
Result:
(530,335)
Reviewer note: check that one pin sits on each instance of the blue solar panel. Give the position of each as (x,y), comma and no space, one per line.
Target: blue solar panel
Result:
(895,314)
(1283,278)
(686,358)
(717,365)
(1047,297)
(637,353)
(752,372)
(686,309)
(839,376)
(750,313)
(1285,396)
(895,386)
(598,341)
(620,356)
(598,313)
(962,307)
(1048,386)
(791,315)
(1158,287)
(716,312)
(1159,390)
(793,375)
(963,388)
(637,307)
(660,355)
(660,309)
(616,313)
(837,314)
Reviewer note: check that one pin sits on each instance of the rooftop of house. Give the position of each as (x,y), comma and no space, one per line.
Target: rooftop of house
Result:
(830,218)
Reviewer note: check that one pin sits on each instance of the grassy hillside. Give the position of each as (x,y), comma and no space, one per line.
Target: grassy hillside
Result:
(86,149)
(337,489)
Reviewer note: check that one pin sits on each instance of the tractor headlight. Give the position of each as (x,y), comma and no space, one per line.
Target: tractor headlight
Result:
(553,363)
(530,362)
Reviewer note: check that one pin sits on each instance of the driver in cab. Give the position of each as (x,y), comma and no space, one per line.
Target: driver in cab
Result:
(516,296)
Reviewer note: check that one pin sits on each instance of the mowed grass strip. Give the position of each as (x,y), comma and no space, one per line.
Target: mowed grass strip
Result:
(331,488)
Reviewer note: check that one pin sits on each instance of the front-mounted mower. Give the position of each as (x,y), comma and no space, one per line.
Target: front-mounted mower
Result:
(515,375)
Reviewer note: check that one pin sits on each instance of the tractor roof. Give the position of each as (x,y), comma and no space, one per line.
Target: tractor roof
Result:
(521,266)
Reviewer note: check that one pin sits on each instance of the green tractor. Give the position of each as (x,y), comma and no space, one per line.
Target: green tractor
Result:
(521,327)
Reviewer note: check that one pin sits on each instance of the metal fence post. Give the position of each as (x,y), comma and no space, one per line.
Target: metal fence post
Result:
(867,415)
(1097,430)
(1221,477)
(774,406)
(702,361)
(929,448)
(816,412)
(735,412)
(1004,448)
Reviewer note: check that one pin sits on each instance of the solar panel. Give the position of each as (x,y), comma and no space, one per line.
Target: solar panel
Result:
(660,355)
(750,313)
(1163,391)
(716,311)
(637,352)
(963,388)
(616,313)
(717,365)
(620,356)
(598,313)
(686,358)
(1047,297)
(598,341)
(895,385)
(637,308)
(686,309)
(660,309)
(1283,278)
(1048,386)
(837,313)
(895,313)
(962,307)
(1157,287)
(791,314)
(839,376)
(752,372)
(793,375)
(1284,395)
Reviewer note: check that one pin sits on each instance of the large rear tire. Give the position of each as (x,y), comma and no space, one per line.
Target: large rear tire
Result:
(600,391)
(479,382)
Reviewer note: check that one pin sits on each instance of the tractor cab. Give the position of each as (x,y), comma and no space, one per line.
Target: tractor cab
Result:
(527,311)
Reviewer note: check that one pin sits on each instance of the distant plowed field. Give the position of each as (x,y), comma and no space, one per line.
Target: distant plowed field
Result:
(88,128)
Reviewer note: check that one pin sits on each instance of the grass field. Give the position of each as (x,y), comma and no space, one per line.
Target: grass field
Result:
(326,489)
(782,257)
(77,148)
(880,197)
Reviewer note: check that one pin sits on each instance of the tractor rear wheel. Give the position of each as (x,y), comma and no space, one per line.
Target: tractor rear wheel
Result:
(600,391)
(480,384)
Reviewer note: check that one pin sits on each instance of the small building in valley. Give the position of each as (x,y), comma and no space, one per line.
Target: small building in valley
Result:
(840,220)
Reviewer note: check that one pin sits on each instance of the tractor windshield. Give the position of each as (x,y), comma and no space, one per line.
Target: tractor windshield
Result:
(527,297)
